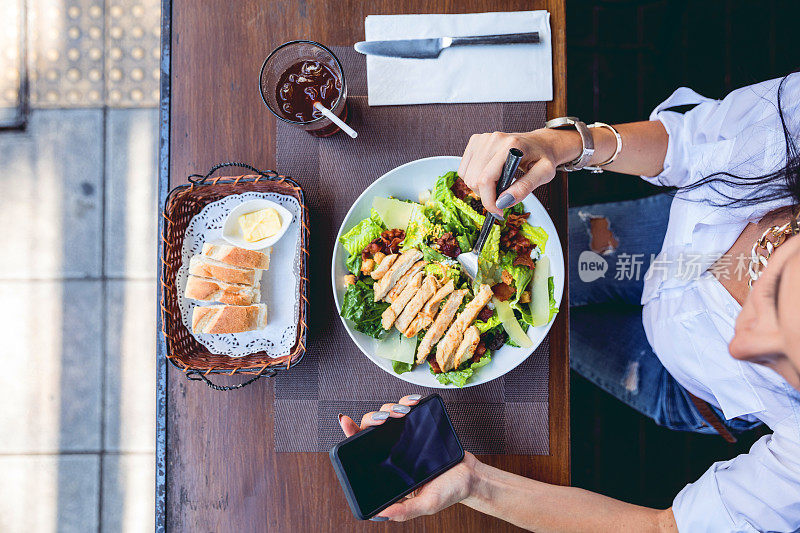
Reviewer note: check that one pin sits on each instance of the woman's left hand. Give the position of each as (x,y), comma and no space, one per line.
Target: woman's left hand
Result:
(445,490)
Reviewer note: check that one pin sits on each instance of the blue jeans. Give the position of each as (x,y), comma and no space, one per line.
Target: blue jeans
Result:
(608,345)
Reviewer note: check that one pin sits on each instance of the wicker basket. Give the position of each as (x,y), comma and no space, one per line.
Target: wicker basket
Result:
(183,203)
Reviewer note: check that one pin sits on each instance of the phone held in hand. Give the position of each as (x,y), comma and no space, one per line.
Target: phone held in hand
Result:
(381,464)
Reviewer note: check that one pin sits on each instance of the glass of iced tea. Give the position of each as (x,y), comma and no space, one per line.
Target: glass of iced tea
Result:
(295,76)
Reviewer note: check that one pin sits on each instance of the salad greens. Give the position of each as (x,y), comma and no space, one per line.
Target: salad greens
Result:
(442,216)
(358,307)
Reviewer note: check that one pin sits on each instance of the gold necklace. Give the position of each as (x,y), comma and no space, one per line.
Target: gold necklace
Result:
(767,243)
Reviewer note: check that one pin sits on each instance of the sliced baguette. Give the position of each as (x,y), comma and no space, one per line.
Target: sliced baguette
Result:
(205,267)
(229,318)
(233,255)
(211,290)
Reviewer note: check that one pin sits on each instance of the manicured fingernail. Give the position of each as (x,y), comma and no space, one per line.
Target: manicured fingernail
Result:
(340,417)
(380,415)
(379,519)
(398,408)
(415,397)
(505,200)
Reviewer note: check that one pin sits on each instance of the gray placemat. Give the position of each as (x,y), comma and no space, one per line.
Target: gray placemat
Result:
(506,416)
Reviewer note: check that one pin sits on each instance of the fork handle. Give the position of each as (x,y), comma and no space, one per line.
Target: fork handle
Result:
(507,176)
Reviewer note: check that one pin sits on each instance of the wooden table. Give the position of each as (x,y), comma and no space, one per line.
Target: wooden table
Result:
(216,466)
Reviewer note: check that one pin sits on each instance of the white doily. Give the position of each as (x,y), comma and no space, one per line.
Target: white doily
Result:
(280,285)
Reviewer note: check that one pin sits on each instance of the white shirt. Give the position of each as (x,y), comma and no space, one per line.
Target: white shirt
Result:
(689,316)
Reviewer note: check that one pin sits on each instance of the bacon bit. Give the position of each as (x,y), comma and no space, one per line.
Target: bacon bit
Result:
(485,314)
(506,277)
(512,239)
(523,260)
(515,220)
(434,365)
(461,190)
(448,245)
(387,243)
(503,291)
(391,239)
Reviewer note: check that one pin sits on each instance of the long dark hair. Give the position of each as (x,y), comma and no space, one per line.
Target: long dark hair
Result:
(777,185)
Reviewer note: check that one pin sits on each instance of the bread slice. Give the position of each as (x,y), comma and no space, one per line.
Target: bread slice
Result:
(212,290)
(233,255)
(205,267)
(229,318)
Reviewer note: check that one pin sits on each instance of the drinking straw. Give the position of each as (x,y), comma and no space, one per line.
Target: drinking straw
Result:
(336,120)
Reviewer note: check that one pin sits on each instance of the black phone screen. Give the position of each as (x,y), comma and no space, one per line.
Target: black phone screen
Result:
(393,458)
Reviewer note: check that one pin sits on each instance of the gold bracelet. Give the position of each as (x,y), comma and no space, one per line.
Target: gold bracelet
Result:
(597,168)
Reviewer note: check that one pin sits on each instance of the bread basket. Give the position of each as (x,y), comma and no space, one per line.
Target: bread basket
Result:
(182,204)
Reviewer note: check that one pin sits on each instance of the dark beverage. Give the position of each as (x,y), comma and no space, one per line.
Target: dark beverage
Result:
(303,84)
(295,76)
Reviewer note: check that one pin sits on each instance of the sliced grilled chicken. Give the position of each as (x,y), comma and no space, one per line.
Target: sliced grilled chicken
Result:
(400,266)
(417,325)
(411,288)
(467,347)
(443,319)
(384,266)
(432,305)
(447,347)
(428,289)
(398,287)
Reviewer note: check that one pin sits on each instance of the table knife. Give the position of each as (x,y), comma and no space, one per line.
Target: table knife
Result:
(431,48)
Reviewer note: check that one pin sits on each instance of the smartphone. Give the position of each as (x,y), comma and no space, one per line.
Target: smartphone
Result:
(380,465)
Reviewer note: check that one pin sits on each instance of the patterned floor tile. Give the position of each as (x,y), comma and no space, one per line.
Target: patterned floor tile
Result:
(132,52)
(49,493)
(130,399)
(51,195)
(52,366)
(66,49)
(131,182)
(128,495)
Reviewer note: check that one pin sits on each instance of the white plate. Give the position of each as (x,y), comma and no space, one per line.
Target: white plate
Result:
(406,182)
(232,231)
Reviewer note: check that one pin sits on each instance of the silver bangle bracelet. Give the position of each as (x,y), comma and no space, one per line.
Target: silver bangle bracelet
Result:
(596,169)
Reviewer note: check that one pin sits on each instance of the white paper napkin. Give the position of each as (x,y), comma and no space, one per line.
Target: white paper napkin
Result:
(462,74)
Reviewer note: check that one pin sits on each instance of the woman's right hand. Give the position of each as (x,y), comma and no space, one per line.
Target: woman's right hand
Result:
(543,149)
(447,489)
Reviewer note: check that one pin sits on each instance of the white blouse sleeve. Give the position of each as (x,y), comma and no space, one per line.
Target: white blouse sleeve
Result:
(715,134)
(756,491)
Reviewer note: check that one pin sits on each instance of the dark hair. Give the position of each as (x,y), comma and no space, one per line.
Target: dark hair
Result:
(780,184)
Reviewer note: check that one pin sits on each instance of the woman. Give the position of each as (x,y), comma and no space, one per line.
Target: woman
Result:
(702,336)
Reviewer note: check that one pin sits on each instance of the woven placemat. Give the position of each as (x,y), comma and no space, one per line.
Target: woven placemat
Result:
(506,416)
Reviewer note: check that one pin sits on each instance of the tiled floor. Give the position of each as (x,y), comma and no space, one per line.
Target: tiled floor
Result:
(77,276)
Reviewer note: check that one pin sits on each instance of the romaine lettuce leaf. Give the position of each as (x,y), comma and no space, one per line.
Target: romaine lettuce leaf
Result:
(468,215)
(375,217)
(430,255)
(361,235)
(444,271)
(551,289)
(400,368)
(358,307)
(418,228)
(535,234)
(489,259)
(522,277)
(460,377)
(444,199)
(490,324)
(353,263)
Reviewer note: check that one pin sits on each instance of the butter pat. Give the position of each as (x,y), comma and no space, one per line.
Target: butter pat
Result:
(260,224)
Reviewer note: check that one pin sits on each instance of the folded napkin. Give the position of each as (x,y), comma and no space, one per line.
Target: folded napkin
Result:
(462,74)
